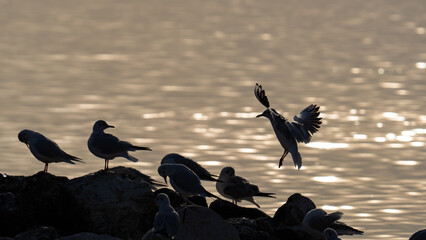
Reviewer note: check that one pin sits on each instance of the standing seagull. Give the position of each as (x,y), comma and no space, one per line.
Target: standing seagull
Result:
(166,222)
(183,180)
(317,220)
(44,149)
(238,188)
(107,146)
(290,133)
(201,172)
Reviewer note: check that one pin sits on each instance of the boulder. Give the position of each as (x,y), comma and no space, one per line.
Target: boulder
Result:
(287,221)
(253,229)
(419,235)
(117,202)
(229,210)
(38,233)
(201,223)
(38,200)
(86,236)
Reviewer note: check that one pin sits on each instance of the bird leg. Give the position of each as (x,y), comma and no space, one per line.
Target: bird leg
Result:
(45,167)
(282,158)
(106,164)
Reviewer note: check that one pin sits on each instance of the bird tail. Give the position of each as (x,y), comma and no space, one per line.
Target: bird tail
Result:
(209,194)
(131,158)
(297,159)
(250,199)
(73,158)
(141,148)
(262,194)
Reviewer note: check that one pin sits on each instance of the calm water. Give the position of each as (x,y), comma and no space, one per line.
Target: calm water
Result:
(178,76)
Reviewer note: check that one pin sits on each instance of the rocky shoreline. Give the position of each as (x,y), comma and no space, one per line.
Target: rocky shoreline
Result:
(119,204)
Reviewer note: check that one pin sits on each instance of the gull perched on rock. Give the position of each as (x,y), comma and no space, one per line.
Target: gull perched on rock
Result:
(289,133)
(238,188)
(44,149)
(183,180)
(107,146)
(330,234)
(166,222)
(201,172)
(317,220)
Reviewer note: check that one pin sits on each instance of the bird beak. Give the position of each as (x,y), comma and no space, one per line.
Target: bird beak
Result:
(110,126)
(260,115)
(165,179)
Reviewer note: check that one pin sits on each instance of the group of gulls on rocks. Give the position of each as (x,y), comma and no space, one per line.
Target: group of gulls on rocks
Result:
(185,174)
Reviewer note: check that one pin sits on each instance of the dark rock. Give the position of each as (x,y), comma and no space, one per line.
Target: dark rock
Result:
(287,220)
(38,200)
(201,223)
(419,235)
(293,211)
(253,229)
(229,210)
(86,236)
(135,175)
(117,202)
(38,233)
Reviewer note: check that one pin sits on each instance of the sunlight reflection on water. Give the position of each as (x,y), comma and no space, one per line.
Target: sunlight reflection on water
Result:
(183,83)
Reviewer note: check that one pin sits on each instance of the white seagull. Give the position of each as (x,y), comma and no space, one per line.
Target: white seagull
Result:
(237,188)
(290,133)
(107,146)
(166,222)
(44,149)
(201,172)
(330,234)
(317,220)
(183,180)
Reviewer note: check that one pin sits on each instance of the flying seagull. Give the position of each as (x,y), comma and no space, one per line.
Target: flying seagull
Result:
(305,124)
(107,146)
(238,188)
(201,172)
(44,149)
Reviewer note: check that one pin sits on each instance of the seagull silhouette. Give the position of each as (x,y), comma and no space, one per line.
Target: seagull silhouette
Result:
(107,146)
(238,188)
(183,180)
(166,221)
(201,172)
(44,149)
(317,220)
(289,133)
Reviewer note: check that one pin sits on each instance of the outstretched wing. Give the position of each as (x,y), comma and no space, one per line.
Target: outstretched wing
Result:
(306,124)
(260,95)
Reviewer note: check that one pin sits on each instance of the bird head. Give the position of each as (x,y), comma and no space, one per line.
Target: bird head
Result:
(23,136)
(162,199)
(227,172)
(101,125)
(162,171)
(265,113)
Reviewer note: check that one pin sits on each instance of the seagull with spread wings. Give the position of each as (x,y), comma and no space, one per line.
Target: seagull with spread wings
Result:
(305,124)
